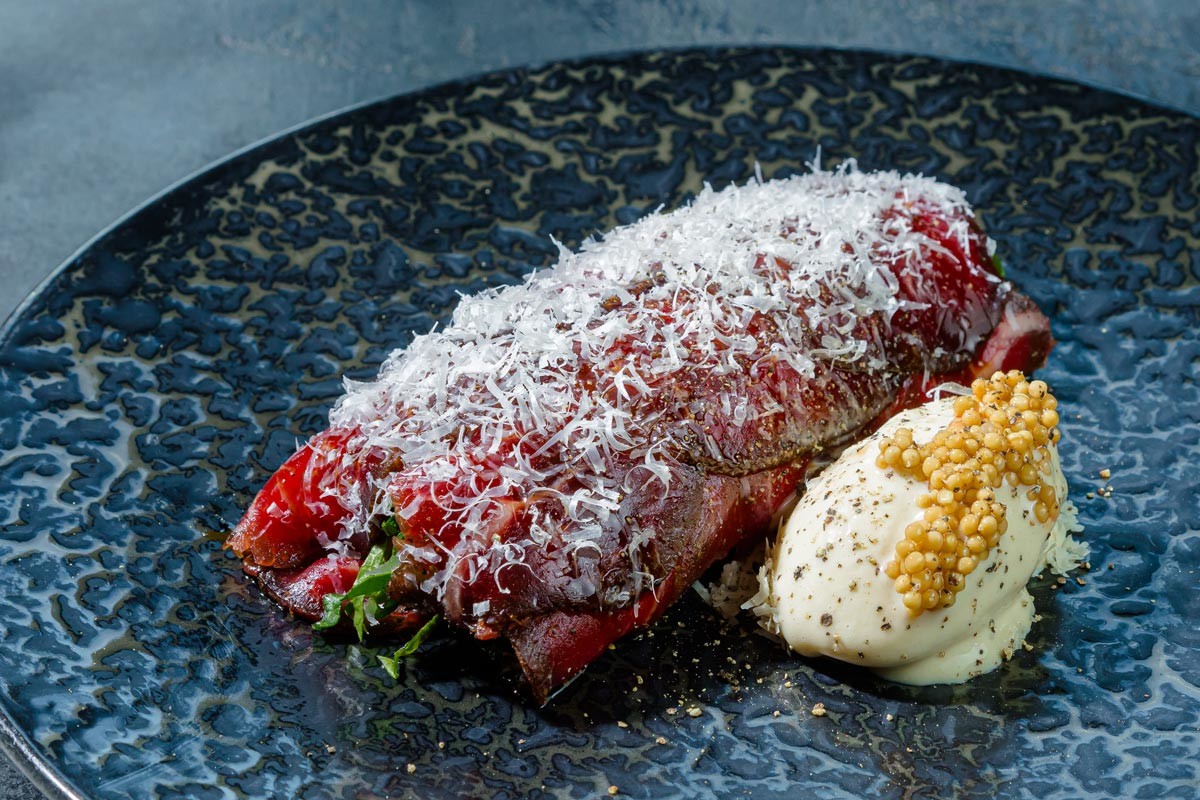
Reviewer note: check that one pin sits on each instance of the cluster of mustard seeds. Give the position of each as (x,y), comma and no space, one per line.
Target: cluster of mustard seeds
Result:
(1002,432)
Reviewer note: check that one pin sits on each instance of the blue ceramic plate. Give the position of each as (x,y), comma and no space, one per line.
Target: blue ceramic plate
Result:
(157,379)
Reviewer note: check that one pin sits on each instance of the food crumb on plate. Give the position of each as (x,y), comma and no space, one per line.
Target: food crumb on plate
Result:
(818,710)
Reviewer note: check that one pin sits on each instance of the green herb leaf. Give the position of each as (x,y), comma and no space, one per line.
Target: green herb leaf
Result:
(358,612)
(392,664)
(390,527)
(368,600)
(371,583)
(999,265)
(331,604)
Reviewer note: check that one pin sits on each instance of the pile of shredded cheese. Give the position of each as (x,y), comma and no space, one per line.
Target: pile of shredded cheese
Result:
(560,376)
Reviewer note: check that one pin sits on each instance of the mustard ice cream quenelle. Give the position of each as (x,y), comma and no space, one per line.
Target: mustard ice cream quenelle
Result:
(910,554)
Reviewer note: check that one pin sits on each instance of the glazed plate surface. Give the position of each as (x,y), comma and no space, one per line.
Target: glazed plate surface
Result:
(152,385)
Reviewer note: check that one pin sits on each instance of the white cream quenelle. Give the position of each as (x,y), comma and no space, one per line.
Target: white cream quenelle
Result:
(827,589)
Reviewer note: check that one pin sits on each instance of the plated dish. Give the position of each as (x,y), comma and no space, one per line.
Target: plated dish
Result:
(156,379)
(562,460)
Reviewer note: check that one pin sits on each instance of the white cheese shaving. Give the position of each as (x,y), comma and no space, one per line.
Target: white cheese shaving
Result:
(536,387)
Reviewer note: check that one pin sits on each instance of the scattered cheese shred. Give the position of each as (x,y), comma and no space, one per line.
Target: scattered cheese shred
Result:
(533,390)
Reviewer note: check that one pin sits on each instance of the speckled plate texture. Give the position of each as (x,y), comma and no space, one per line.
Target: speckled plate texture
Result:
(152,385)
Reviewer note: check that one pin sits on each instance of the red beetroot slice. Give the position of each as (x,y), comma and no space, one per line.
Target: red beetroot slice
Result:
(709,505)
(299,505)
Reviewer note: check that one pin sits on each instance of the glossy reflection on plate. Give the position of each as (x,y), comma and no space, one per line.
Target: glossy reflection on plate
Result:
(155,382)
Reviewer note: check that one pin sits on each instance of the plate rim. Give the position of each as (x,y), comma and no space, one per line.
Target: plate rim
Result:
(28,757)
(37,768)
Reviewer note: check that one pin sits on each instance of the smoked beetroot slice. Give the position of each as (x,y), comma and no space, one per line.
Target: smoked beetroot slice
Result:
(569,455)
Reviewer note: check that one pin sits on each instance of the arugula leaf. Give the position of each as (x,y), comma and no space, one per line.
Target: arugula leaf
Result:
(392,665)
(371,584)
(368,599)
(999,265)
(391,528)
(331,607)
(358,612)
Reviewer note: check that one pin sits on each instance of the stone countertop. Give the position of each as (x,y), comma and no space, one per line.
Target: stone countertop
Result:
(104,105)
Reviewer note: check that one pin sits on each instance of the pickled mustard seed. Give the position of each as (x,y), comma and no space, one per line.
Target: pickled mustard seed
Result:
(1001,433)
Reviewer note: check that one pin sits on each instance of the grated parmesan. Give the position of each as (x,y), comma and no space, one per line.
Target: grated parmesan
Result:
(534,391)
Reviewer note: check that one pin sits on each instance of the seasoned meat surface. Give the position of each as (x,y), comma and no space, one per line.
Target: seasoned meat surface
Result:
(568,455)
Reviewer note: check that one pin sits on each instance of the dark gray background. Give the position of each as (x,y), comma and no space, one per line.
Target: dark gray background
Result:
(105,104)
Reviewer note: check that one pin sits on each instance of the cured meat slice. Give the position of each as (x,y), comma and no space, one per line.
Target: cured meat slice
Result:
(563,459)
